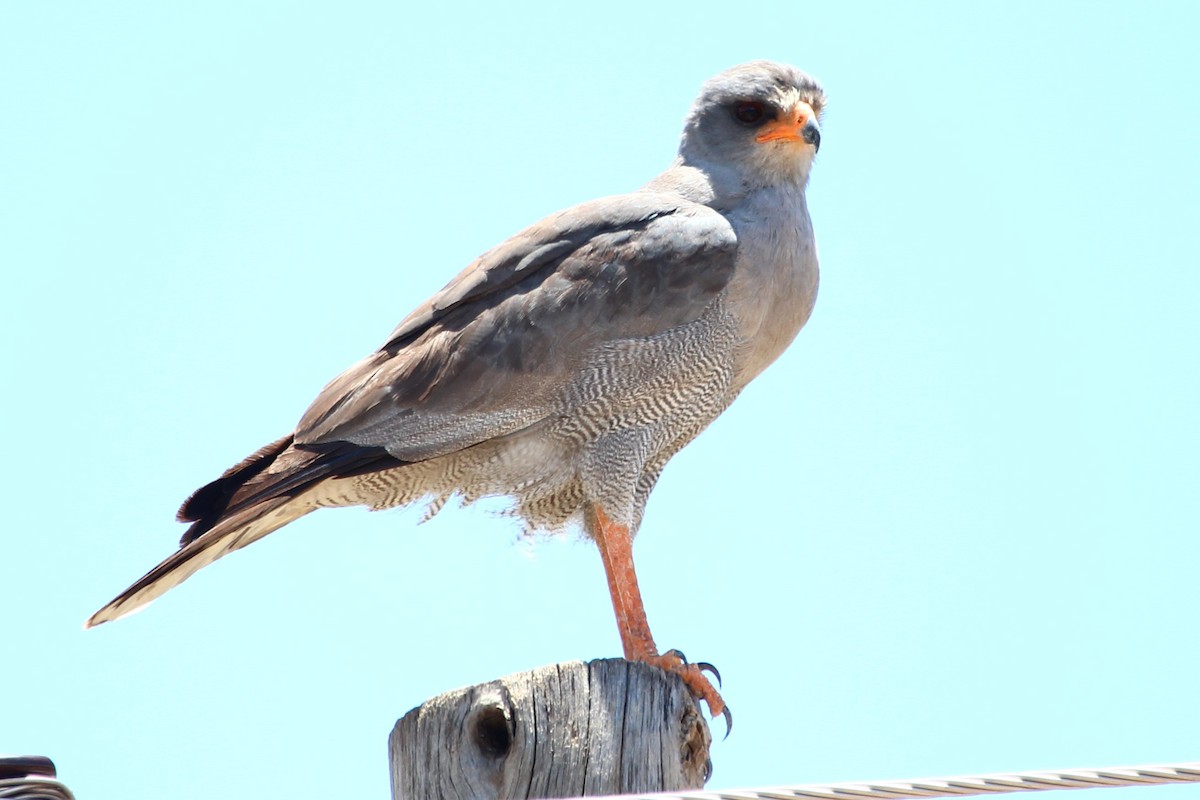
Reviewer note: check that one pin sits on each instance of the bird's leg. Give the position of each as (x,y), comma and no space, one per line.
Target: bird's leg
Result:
(616,550)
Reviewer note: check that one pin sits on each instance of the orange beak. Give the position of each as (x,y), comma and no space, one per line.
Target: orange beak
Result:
(797,125)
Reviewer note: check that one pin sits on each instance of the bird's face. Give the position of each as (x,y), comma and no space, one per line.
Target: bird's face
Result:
(761,120)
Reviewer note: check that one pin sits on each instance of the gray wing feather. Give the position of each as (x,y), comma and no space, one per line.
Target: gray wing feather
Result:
(490,353)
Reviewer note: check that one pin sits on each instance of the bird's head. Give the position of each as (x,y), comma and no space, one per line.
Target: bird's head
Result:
(758,123)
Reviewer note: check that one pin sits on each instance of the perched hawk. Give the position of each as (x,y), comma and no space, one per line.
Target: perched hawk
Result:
(564,367)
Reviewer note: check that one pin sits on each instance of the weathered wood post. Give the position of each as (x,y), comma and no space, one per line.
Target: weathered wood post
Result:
(566,730)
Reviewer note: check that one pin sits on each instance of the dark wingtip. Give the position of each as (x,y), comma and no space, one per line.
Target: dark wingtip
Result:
(210,501)
(309,464)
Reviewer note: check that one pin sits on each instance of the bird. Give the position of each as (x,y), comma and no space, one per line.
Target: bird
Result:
(563,368)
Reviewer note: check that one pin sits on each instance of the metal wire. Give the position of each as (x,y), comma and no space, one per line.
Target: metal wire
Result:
(957,786)
(33,788)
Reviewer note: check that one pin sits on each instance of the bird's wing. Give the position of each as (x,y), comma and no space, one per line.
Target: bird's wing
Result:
(490,352)
(484,357)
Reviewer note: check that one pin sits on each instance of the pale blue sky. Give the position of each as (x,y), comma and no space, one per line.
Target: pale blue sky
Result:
(952,530)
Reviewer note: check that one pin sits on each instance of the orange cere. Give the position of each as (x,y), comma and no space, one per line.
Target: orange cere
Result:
(787,128)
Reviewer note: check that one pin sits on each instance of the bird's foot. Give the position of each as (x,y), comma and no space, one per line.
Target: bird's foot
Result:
(696,681)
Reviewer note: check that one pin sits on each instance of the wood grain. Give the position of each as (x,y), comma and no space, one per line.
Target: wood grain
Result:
(566,730)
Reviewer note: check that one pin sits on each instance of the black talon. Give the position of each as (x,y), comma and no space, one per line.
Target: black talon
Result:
(707,771)
(678,654)
(728,722)
(704,666)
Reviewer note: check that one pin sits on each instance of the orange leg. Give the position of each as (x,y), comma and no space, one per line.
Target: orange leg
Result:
(616,550)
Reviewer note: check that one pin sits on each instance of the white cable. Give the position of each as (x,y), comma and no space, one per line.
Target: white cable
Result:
(34,788)
(957,786)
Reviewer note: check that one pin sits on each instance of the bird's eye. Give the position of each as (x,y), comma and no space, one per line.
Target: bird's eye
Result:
(749,113)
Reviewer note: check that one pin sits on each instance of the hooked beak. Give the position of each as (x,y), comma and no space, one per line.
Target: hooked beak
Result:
(797,125)
(811,133)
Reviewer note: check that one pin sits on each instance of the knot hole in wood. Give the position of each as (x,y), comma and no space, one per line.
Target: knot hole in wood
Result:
(491,729)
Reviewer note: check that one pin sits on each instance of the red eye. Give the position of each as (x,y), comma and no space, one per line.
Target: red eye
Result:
(749,113)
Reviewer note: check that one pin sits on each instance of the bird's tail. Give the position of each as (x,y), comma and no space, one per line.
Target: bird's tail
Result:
(236,531)
(266,491)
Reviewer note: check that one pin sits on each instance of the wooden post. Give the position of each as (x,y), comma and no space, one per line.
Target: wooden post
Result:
(566,730)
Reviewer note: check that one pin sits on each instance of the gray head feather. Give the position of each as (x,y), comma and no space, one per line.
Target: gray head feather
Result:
(715,140)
